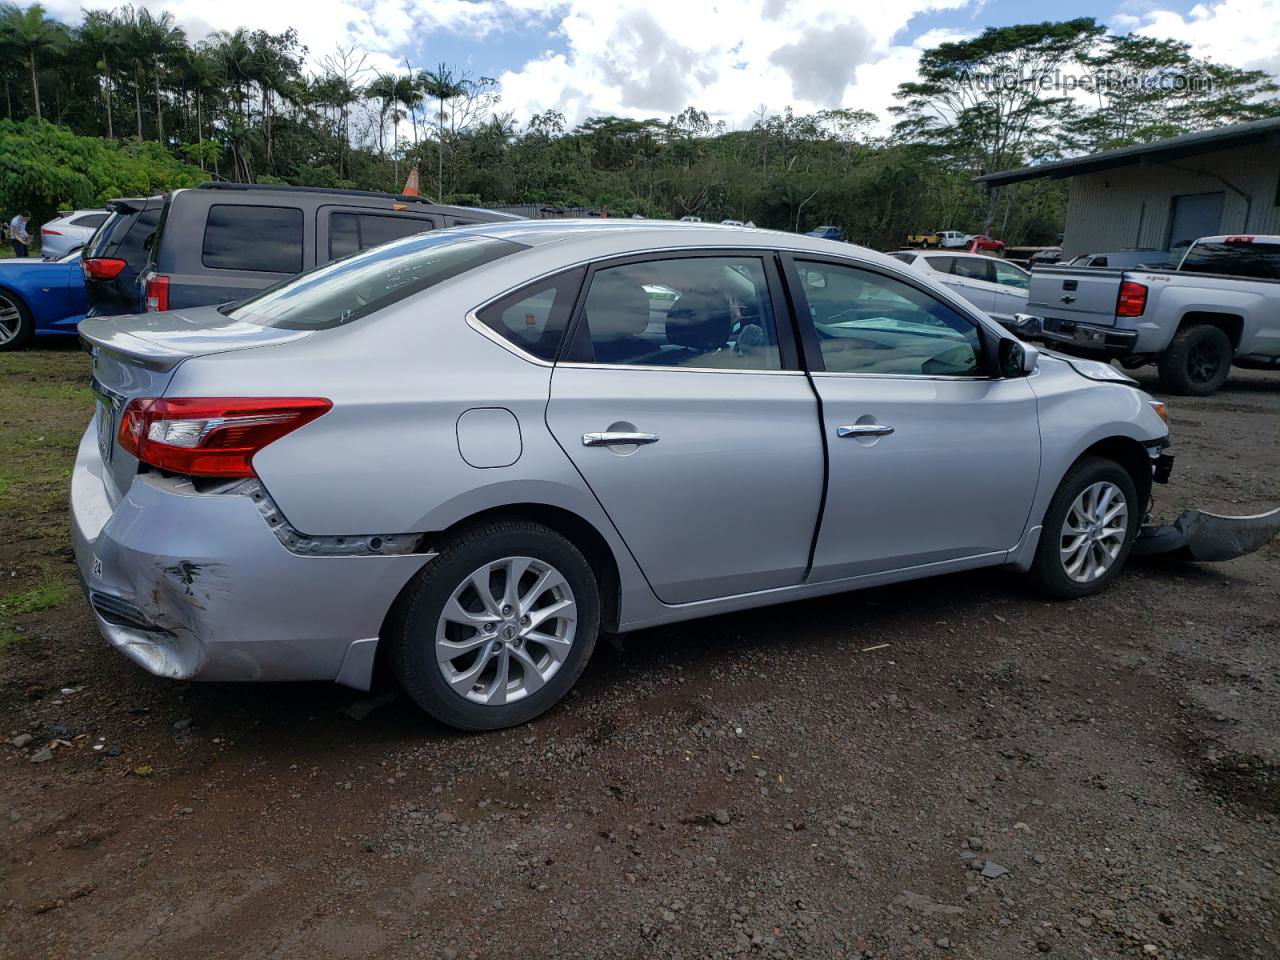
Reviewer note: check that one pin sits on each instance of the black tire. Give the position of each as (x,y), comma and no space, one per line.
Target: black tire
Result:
(1048,569)
(1197,362)
(410,633)
(26,325)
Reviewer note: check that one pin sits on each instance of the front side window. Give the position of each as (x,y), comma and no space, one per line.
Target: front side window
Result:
(261,239)
(349,232)
(534,319)
(345,290)
(1010,276)
(706,312)
(867,322)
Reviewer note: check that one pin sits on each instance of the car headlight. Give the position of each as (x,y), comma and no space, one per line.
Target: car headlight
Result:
(1096,370)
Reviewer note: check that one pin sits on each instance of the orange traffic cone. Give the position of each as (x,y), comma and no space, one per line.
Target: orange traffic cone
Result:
(411,185)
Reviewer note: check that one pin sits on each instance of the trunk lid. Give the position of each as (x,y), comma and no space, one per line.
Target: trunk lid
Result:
(1069,295)
(136,356)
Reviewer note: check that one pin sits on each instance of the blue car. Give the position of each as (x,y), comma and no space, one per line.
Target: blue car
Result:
(40,297)
(826,232)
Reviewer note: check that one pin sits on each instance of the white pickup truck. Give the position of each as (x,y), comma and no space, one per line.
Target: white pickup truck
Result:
(1219,307)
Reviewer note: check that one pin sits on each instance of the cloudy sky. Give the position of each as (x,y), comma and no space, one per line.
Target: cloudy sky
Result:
(647,58)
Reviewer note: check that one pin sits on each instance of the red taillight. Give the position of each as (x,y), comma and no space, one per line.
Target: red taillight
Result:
(158,293)
(49,233)
(102,268)
(1132,300)
(1239,238)
(211,436)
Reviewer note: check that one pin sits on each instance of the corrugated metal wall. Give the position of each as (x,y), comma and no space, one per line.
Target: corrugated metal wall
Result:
(1130,206)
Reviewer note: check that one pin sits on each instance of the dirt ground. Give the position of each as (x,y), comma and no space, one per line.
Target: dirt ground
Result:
(951,768)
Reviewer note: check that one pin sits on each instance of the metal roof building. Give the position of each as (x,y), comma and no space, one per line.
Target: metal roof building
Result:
(1164,194)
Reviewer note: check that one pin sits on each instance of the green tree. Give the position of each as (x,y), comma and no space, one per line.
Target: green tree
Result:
(35,36)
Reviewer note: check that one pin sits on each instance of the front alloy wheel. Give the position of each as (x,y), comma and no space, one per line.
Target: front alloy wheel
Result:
(1093,532)
(1088,529)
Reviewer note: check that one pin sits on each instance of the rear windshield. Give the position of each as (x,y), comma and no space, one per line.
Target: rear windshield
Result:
(1260,261)
(363,283)
(123,235)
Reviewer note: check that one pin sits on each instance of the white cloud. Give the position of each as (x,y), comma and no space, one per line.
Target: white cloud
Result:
(729,57)
(635,58)
(1237,33)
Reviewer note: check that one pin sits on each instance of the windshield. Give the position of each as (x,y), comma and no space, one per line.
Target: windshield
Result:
(345,290)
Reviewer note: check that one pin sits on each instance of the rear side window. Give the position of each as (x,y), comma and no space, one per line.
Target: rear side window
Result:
(1257,261)
(349,232)
(534,319)
(345,290)
(124,235)
(941,264)
(89,220)
(262,239)
(971,267)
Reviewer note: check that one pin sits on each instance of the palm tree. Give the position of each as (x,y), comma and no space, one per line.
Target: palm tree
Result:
(409,96)
(33,34)
(163,41)
(101,35)
(443,85)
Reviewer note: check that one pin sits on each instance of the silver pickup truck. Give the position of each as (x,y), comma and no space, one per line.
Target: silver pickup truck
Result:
(1219,307)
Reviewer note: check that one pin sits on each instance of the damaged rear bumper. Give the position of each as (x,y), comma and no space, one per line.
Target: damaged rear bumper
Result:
(1205,537)
(198,586)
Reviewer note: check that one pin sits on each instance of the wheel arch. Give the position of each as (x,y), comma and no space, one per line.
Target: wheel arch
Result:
(573,527)
(1128,453)
(1232,324)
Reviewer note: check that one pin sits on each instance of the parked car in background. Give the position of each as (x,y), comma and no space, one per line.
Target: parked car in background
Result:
(997,288)
(39,297)
(113,259)
(69,231)
(1046,255)
(464,454)
(951,239)
(827,232)
(981,243)
(1124,259)
(1217,308)
(223,241)
(731,223)
(690,218)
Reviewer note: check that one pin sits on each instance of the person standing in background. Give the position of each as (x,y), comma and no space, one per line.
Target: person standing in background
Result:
(18,233)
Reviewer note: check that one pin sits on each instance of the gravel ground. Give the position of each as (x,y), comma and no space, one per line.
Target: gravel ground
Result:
(950,768)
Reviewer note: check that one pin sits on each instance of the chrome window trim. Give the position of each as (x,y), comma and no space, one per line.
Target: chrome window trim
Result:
(906,376)
(578,365)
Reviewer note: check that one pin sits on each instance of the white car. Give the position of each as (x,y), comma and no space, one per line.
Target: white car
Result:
(997,288)
(71,229)
(690,218)
(731,223)
(953,239)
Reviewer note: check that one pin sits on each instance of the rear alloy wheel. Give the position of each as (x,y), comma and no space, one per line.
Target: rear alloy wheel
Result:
(1088,529)
(16,326)
(1197,361)
(497,628)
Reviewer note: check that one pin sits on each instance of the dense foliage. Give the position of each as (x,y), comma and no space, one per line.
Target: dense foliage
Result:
(250,105)
(44,168)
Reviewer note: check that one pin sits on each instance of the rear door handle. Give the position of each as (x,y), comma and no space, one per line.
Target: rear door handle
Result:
(864,430)
(617,439)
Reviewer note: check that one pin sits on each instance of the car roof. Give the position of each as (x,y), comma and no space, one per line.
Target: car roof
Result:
(290,190)
(621,235)
(1253,238)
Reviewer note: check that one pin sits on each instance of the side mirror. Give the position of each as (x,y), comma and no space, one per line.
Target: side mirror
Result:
(1017,359)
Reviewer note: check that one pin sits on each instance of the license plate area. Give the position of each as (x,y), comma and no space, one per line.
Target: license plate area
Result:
(106,429)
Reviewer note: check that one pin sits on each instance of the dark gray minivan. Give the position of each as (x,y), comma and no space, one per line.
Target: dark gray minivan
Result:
(223,241)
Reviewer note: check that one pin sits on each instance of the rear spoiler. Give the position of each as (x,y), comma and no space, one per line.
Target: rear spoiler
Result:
(100,334)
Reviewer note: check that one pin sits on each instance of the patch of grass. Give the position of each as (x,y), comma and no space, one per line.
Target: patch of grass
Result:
(37,599)
(8,640)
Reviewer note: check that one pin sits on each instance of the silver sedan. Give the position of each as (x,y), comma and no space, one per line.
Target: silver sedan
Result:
(466,453)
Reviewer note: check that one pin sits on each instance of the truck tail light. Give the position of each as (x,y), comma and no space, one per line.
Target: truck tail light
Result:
(1132,300)
(211,436)
(157,293)
(102,268)
(1239,239)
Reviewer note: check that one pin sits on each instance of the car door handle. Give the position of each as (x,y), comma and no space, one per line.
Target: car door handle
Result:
(864,430)
(617,439)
